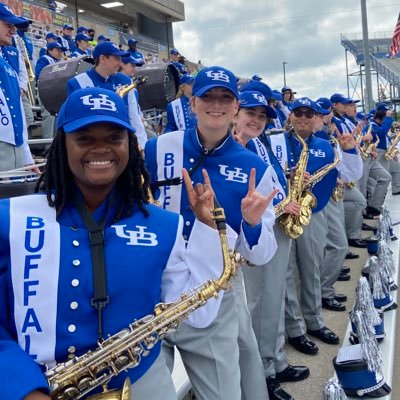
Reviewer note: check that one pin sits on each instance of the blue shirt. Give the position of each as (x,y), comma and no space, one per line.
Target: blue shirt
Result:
(187,119)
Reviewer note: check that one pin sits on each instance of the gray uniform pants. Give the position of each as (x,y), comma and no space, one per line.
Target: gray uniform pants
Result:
(354,204)
(393,167)
(265,291)
(27,109)
(373,169)
(11,157)
(155,384)
(214,357)
(335,250)
(306,255)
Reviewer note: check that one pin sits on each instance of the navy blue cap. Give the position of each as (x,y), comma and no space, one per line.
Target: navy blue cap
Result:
(51,35)
(108,49)
(8,16)
(287,89)
(82,29)
(81,36)
(212,77)
(54,45)
(92,105)
(186,78)
(258,86)
(132,41)
(68,26)
(382,107)
(306,102)
(173,51)
(250,99)
(353,101)
(321,110)
(324,103)
(340,98)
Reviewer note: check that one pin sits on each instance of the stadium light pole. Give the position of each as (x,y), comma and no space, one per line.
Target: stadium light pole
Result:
(76,14)
(284,72)
(368,99)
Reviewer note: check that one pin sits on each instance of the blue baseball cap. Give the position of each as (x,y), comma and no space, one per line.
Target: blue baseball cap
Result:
(362,116)
(186,78)
(132,41)
(102,37)
(250,99)
(108,49)
(173,51)
(340,98)
(352,101)
(307,103)
(212,77)
(81,36)
(130,60)
(256,78)
(287,89)
(8,16)
(277,95)
(258,86)
(92,105)
(324,103)
(321,110)
(51,35)
(68,26)
(54,45)
(82,29)
(382,107)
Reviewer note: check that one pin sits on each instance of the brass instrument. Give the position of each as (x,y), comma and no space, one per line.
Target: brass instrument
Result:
(292,224)
(80,375)
(338,193)
(369,147)
(392,151)
(125,89)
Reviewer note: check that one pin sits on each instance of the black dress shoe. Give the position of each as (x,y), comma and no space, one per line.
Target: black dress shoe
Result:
(343,277)
(303,344)
(293,373)
(360,243)
(352,256)
(396,194)
(345,269)
(366,227)
(275,390)
(324,334)
(372,211)
(340,297)
(333,305)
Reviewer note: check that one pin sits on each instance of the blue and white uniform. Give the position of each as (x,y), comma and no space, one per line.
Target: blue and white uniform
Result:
(46,282)
(44,61)
(179,115)
(78,53)
(137,56)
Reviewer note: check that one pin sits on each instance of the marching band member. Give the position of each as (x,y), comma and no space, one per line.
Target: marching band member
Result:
(242,183)
(47,244)
(288,96)
(54,54)
(174,56)
(50,38)
(134,53)
(66,39)
(81,45)
(14,149)
(179,114)
(265,284)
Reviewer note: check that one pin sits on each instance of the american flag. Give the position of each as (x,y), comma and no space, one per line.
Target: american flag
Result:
(395,47)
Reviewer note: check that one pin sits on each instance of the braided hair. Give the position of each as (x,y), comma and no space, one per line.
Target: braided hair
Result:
(57,180)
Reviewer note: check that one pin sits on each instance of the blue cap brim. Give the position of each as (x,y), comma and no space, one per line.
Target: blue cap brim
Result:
(14,20)
(205,89)
(271,113)
(80,123)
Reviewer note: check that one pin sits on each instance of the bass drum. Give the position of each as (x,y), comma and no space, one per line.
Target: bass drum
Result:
(52,83)
(160,88)
(17,183)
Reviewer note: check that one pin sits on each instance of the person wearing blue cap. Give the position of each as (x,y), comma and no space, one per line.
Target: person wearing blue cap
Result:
(14,149)
(82,29)
(239,177)
(95,180)
(179,114)
(50,38)
(282,111)
(82,46)
(66,39)
(265,284)
(288,96)
(135,53)
(174,57)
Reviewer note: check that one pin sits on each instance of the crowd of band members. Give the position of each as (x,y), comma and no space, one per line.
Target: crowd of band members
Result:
(213,127)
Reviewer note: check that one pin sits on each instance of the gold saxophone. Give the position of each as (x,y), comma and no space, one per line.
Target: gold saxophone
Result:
(292,224)
(369,147)
(80,375)
(392,151)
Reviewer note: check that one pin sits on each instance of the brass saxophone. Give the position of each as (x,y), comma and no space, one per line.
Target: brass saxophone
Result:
(392,151)
(80,375)
(369,147)
(292,224)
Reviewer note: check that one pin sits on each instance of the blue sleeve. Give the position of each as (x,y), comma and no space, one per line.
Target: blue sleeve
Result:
(171,125)
(42,52)
(251,233)
(381,131)
(150,157)
(40,64)
(72,85)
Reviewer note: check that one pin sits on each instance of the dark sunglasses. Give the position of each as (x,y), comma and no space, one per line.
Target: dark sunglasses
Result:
(308,114)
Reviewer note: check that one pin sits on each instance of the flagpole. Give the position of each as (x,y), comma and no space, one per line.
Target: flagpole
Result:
(368,99)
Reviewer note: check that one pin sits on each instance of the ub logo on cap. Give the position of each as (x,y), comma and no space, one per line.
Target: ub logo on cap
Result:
(218,76)
(305,101)
(260,98)
(99,103)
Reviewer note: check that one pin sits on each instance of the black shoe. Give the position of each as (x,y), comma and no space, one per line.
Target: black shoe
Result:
(340,297)
(345,269)
(303,344)
(360,243)
(275,390)
(292,373)
(324,334)
(352,256)
(396,194)
(366,227)
(372,211)
(343,277)
(333,305)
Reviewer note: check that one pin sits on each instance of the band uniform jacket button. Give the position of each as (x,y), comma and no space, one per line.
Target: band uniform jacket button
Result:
(71,328)
(76,263)
(75,282)
(191,160)
(71,349)
(187,223)
(73,305)
(75,243)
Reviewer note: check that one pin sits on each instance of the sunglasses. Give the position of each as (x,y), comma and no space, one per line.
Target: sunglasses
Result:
(308,114)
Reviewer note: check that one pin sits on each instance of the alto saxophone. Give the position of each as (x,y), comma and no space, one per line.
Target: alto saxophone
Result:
(80,375)
(292,224)
(370,147)
(392,151)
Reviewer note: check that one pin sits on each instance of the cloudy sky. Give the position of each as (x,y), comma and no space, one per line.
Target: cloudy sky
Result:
(256,36)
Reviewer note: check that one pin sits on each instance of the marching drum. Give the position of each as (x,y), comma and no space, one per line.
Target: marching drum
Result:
(161,87)
(17,183)
(52,83)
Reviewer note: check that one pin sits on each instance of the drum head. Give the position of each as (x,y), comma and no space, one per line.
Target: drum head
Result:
(52,83)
